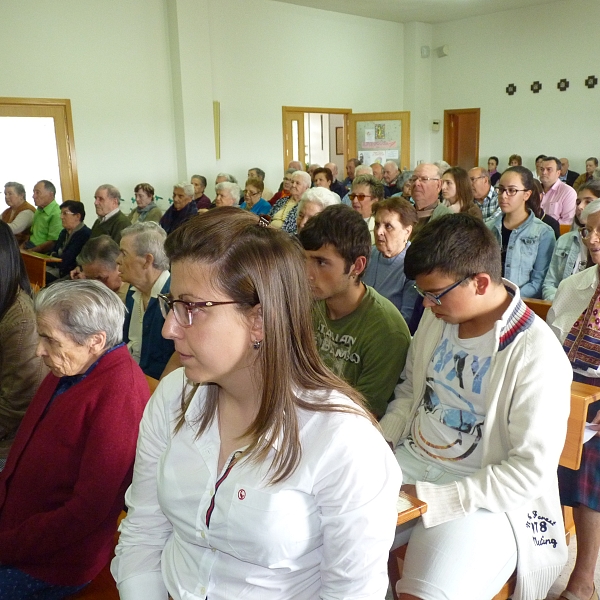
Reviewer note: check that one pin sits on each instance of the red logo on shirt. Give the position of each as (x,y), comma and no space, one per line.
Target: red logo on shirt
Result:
(242,494)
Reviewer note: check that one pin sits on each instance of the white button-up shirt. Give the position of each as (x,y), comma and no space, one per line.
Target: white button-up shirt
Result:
(324,532)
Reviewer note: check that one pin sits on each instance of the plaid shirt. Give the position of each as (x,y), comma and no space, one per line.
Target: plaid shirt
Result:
(489,206)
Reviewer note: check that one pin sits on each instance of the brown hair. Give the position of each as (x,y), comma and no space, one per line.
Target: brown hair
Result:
(146,188)
(515,157)
(406,212)
(255,265)
(257,183)
(464,191)
(326,171)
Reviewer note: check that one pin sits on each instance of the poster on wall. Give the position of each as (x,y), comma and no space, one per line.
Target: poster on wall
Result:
(378,141)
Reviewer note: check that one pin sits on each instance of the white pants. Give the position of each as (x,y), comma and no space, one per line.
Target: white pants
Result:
(470,558)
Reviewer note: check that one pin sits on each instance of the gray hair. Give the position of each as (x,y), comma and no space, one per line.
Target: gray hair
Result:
(596,174)
(319,195)
(230,178)
(83,308)
(304,176)
(149,238)
(404,177)
(443,166)
(232,188)
(111,191)
(261,174)
(18,187)
(188,188)
(363,170)
(592,208)
(392,162)
(99,249)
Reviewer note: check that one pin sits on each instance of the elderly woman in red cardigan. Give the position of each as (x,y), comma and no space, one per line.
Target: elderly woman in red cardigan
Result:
(65,477)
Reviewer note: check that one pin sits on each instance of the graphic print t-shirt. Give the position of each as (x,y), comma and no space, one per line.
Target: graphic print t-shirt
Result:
(448,426)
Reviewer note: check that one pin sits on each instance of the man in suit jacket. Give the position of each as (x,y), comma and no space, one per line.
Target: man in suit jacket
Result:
(567,176)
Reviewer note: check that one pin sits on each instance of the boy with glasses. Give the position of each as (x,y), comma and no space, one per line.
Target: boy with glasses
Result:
(478,425)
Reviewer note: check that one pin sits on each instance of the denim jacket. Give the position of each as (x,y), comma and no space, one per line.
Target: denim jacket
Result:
(528,255)
(566,254)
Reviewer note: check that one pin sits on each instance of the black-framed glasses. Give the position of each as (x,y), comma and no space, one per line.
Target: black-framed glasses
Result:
(249,193)
(435,298)
(510,191)
(183,310)
(359,197)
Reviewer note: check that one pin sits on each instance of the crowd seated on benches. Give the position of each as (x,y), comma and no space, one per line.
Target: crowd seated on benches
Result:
(214,299)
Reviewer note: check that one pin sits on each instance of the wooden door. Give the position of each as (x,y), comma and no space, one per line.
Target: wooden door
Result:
(377,137)
(461,137)
(294,147)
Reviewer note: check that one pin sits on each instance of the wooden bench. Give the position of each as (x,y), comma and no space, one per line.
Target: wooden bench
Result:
(35,265)
(538,306)
(564,229)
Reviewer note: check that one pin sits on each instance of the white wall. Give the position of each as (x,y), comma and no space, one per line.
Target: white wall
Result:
(545,43)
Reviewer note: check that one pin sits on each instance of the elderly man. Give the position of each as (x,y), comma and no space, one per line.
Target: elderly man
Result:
(296,165)
(228,194)
(426,185)
(98,260)
(558,199)
(143,263)
(256,173)
(46,226)
(337,186)
(183,207)
(111,221)
(591,164)
(567,176)
(484,194)
(377,170)
(366,190)
(350,171)
(392,179)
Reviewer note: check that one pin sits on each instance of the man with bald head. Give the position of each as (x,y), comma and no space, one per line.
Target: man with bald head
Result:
(296,165)
(566,175)
(377,171)
(337,186)
(485,195)
(426,186)
(390,179)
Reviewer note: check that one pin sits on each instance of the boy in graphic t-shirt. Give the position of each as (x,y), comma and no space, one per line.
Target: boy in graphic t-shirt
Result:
(478,425)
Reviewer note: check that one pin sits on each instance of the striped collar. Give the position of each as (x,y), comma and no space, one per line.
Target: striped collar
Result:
(520,319)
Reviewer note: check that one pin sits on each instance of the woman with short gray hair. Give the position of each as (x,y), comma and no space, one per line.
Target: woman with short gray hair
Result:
(19,214)
(71,462)
(314,201)
(143,263)
(228,194)
(183,207)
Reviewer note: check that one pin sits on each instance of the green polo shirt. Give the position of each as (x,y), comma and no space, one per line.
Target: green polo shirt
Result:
(46,224)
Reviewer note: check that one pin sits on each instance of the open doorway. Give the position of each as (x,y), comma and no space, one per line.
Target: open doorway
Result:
(315,135)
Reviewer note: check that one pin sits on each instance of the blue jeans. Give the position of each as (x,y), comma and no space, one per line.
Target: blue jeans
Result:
(18,585)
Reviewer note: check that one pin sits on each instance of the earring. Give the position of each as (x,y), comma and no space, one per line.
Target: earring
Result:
(256,344)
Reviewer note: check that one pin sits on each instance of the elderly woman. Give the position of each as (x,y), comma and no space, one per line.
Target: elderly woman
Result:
(285,188)
(146,209)
(71,240)
(19,214)
(21,371)
(183,208)
(248,485)
(570,253)
(253,200)
(228,194)
(202,201)
(394,221)
(143,263)
(573,318)
(283,214)
(65,478)
(314,201)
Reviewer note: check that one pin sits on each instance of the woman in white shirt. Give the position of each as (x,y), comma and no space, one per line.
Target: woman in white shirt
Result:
(258,474)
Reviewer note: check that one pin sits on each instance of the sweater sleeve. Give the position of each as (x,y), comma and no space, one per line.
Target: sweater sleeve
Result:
(21,222)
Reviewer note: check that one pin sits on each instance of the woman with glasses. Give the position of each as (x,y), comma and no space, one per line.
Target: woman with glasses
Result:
(284,188)
(526,243)
(253,200)
(458,192)
(255,477)
(570,253)
(573,318)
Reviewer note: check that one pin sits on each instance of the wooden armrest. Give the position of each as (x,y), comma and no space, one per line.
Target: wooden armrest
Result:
(538,306)
(416,509)
(46,257)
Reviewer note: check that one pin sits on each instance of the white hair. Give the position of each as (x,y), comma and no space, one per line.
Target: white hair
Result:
(393,163)
(363,170)
(232,188)
(304,176)
(188,188)
(83,308)
(229,178)
(592,208)
(149,238)
(319,195)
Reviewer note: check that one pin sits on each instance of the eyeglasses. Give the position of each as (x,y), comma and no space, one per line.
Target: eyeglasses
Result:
(423,179)
(249,193)
(474,179)
(64,213)
(436,298)
(359,197)
(586,232)
(184,311)
(510,192)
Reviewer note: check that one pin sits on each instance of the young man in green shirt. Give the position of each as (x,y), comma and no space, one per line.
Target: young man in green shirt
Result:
(360,335)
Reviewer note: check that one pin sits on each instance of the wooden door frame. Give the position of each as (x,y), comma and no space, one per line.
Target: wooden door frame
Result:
(67,161)
(404,116)
(457,111)
(311,109)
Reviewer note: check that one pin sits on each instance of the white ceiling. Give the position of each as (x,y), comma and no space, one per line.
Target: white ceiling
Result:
(426,11)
